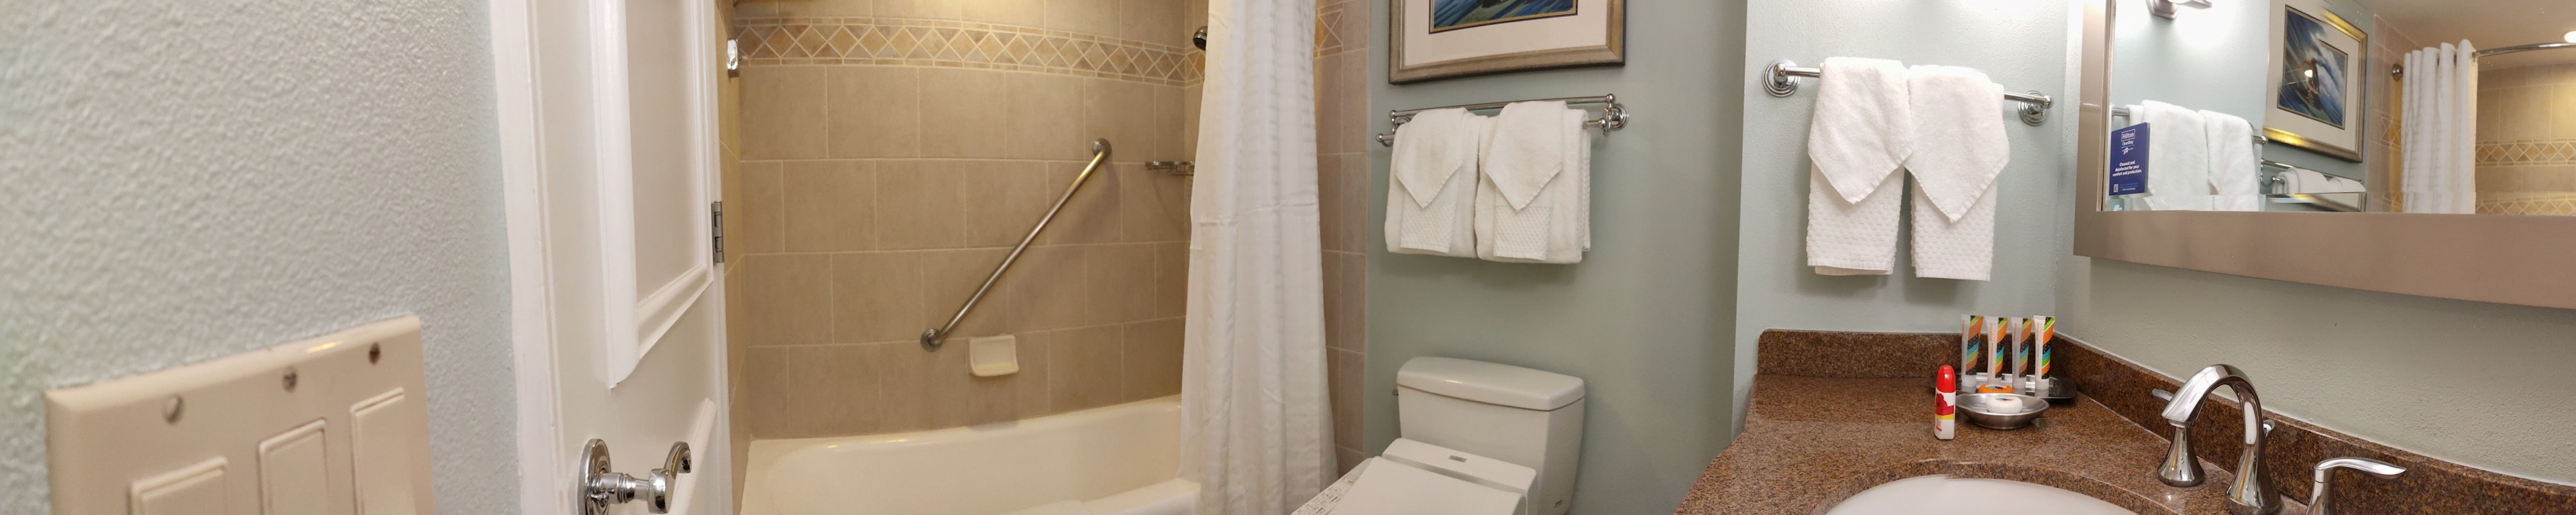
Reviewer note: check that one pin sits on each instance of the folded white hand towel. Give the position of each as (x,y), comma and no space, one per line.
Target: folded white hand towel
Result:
(1528,150)
(1959,145)
(1860,135)
(1441,225)
(2343,185)
(1554,226)
(2233,169)
(1963,249)
(1848,238)
(2177,157)
(2302,180)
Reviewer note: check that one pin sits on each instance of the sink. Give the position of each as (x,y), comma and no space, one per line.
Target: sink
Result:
(1945,495)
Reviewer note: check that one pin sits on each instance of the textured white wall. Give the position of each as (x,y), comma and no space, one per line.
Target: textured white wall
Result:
(185,180)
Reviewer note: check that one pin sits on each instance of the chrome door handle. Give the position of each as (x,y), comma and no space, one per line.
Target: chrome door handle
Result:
(601,487)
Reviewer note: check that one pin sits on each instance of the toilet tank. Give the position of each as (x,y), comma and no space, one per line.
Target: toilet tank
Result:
(1528,417)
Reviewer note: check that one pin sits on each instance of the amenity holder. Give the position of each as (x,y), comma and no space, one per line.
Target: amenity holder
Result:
(1614,116)
(1784,82)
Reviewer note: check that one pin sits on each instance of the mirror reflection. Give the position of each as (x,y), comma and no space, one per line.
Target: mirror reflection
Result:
(2409,106)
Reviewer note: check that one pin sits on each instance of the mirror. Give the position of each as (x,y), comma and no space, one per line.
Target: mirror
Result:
(2390,106)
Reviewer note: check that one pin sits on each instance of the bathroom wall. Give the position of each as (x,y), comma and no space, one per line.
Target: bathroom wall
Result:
(2021,44)
(1342,142)
(1642,318)
(192,180)
(2381,158)
(2527,140)
(894,152)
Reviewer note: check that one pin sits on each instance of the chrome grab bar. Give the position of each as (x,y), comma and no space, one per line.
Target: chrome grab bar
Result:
(931,339)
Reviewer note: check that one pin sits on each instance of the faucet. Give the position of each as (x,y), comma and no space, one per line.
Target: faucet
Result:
(2252,493)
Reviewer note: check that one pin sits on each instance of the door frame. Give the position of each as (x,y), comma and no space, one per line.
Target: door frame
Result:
(523,152)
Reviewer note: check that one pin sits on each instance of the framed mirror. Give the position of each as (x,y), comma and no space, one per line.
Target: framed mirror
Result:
(2423,148)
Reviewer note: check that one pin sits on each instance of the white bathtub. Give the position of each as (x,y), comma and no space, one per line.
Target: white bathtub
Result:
(1115,460)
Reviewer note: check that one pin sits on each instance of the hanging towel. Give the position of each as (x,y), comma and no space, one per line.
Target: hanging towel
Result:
(1859,136)
(2177,157)
(1959,150)
(1555,225)
(1528,151)
(2233,169)
(1430,192)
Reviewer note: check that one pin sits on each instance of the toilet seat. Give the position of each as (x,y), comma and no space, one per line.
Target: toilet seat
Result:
(1415,478)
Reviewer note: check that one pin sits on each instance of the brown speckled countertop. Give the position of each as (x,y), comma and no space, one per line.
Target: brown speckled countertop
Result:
(1810,442)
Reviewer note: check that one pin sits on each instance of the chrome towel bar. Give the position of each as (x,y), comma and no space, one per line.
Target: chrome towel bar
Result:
(931,339)
(2123,112)
(1784,82)
(1614,116)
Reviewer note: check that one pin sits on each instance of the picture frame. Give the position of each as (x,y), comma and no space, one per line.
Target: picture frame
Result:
(2314,101)
(1439,39)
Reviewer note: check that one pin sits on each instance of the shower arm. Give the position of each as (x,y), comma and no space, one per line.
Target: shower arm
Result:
(932,339)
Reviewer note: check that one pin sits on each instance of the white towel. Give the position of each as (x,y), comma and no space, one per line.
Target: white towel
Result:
(2234,173)
(1555,225)
(1959,149)
(1431,188)
(1861,133)
(1528,150)
(2177,157)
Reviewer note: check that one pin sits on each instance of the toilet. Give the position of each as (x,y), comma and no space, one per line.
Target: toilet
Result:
(1477,438)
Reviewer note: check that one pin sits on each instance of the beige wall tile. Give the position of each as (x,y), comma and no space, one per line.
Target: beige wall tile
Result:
(1153,359)
(830,205)
(1155,21)
(1345,458)
(755,210)
(909,377)
(1046,117)
(787,299)
(877,296)
(1169,124)
(933,9)
(1091,216)
(1003,199)
(1123,112)
(782,112)
(964,110)
(1330,113)
(1085,367)
(1331,210)
(2562,107)
(875,111)
(1354,304)
(1345,384)
(1094,17)
(951,276)
(1050,285)
(1029,388)
(1024,13)
(920,205)
(1333,297)
(1354,200)
(802,8)
(766,400)
(836,391)
(952,395)
(1190,97)
(1121,286)
(1352,87)
(1171,279)
(1153,205)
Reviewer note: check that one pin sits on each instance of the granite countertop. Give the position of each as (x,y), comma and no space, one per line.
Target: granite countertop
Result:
(1810,442)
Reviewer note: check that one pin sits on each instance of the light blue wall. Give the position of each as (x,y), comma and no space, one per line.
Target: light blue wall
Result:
(2021,44)
(2216,58)
(188,180)
(1643,319)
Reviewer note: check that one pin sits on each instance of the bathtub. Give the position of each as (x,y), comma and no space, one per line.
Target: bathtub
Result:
(1114,460)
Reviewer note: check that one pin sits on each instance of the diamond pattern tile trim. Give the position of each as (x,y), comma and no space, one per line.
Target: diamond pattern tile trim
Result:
(2527,152)
(956,44)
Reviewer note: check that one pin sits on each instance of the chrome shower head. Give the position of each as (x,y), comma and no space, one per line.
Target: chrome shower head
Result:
(1200,38)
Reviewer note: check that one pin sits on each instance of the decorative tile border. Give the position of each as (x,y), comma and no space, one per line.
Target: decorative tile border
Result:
(956,44)
(2542,204)
(2527,152)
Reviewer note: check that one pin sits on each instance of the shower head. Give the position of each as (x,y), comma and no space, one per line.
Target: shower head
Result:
(1200,38)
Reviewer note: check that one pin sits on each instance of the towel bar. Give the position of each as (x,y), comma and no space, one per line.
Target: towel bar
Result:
(1784,82)
(1614,116)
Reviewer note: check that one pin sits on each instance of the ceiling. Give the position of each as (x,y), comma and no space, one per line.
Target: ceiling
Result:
(2487,24)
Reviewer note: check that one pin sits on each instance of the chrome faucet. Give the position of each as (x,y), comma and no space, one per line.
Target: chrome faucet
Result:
(2252,493)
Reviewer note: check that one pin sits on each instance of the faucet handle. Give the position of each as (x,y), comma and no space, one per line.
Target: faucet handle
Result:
(2319,503)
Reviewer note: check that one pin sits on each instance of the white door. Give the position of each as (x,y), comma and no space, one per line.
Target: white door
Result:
(607,111)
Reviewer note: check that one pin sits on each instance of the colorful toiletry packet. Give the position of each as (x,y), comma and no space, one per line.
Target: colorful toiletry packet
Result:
(2004,354)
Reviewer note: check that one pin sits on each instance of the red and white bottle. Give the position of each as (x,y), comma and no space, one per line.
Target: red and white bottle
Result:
(1945,421)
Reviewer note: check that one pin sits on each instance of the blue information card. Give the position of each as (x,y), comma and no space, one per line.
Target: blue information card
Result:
(2129,160)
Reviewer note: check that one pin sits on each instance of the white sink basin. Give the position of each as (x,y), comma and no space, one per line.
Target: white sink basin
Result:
(1945,495)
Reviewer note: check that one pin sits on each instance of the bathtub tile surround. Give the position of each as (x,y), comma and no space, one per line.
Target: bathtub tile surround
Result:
(2121,387)
(1342,170)
(892,152)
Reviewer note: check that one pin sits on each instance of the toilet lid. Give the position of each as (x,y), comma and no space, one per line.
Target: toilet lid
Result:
(1412,477)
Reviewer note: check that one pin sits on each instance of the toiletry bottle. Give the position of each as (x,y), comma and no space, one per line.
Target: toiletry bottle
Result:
(2042,329)
(1945,419)
(2020,329)
(1970,331)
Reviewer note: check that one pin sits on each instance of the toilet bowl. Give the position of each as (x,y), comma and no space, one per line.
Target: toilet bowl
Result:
(1478,438)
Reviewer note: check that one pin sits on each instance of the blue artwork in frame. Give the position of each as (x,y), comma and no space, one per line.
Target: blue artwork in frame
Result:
(1448,15)
(2312,82)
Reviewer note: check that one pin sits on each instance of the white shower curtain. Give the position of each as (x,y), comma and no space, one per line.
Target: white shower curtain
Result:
(1256,434)
(2441,130)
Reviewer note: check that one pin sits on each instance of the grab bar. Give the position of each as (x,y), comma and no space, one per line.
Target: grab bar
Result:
(931,339)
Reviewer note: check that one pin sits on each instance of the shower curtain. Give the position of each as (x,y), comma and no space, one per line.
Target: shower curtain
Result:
(2441,130)
(1256,434)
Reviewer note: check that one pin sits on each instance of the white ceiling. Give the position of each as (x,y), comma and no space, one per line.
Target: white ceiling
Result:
(2487,24)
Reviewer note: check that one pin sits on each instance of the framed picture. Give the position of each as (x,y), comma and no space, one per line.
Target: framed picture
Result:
(2316,80)
(1438,39)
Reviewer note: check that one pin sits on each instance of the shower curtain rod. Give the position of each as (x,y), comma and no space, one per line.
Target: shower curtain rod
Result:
(2399,70)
